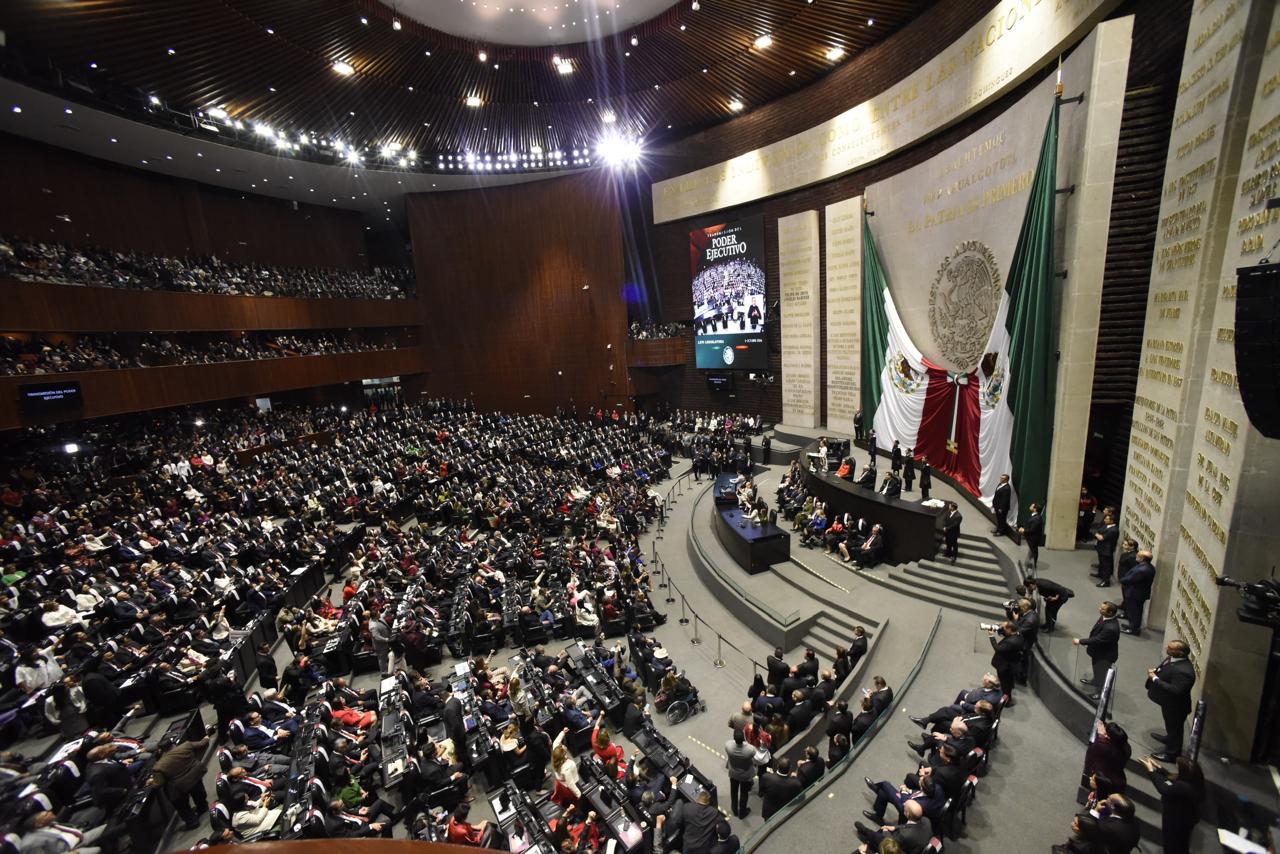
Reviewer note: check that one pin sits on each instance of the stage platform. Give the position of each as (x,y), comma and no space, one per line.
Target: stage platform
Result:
(755,547)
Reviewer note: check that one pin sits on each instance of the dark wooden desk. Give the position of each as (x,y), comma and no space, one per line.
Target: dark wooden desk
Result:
(755,548)
(911,530)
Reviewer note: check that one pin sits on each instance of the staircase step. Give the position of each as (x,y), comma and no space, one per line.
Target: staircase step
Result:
(825,644)
(957,584)
(836,622)
(986,577)
(831,626)
(965,562)
(959,600)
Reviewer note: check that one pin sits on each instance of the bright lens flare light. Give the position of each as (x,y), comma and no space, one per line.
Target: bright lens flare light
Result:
(764,42)
(343,68)
(618,150)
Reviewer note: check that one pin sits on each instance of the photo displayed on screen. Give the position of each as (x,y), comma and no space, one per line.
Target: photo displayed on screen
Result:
(727,267)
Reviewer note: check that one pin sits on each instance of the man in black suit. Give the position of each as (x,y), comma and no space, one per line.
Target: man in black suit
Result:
(778,668)
(950,529)
(808,667)
(858,432)
(926,479)
(908,471)
(1001,500)
(891,487)
(1103,645)
(1054,596)
(912,834)
(1135,587)
(1028,622)
(777,788)
(857,646)
(880,694)
(1114,831)
(267,673)
(1033,533)
(868,554)
(1008,652)
(1169,686)
(1105,546)
(867,478)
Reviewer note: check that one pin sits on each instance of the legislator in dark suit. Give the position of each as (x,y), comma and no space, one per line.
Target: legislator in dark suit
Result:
(1103,646)
(892,487)
(778,670)
(951,530)
(926,481)
(1105,546)
(776,791)
(1001,500)
(1008,647)
(908,472)
(1135,587)
(1033,533)
(857,649)
(1169,687)
(1055,595)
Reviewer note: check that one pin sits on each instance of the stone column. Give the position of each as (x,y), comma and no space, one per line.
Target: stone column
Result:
(1088,219)
(798,290)
(1228,513)
(1219,70)
(842,226)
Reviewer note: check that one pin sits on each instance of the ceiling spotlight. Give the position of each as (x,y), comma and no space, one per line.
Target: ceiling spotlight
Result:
(343,68)
(736,105)
(217,113)
(483,56)
(635,41)
(353,157)
(834,54)
(764,42)
(171,52)
(15,109)
(263,130)
(67,110)
(199,422)
(71,448)
(871,22)
(695,5)
(395,24)
(609,117)
(617,150)
(564,66)
(473,101)
(94,66)
(153,100)
(364,20)
(282,142)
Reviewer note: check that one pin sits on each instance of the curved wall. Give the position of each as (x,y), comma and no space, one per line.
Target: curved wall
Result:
(862,77)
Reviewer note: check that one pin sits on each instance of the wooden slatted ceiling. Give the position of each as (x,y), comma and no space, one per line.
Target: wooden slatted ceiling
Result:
(225,56)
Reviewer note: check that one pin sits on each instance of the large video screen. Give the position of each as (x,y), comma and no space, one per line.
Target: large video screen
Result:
(727,266)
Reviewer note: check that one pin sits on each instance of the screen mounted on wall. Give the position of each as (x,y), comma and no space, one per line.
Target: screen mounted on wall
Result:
(50,397)
(727,268)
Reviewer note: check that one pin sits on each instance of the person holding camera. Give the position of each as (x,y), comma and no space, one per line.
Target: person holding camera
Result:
(1008,647)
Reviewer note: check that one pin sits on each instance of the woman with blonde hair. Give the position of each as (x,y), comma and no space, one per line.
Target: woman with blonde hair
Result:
(565,769)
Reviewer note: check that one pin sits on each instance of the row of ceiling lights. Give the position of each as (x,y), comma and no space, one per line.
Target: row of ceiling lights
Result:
(613,147)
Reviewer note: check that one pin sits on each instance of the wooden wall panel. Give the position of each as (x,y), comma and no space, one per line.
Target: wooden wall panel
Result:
(137,389)
(660,352)
(32,307)
(501,274)
(134,211)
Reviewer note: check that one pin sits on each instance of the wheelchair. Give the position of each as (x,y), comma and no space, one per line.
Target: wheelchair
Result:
(683,706)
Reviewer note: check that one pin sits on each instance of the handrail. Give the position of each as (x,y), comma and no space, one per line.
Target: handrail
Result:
(836,770)
(668,584)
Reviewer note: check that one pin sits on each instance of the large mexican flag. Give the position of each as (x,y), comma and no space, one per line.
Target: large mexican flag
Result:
(996,417)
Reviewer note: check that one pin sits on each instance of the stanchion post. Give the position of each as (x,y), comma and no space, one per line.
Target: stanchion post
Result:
(719,662)
(671,587)
(684,621)
(695,640)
